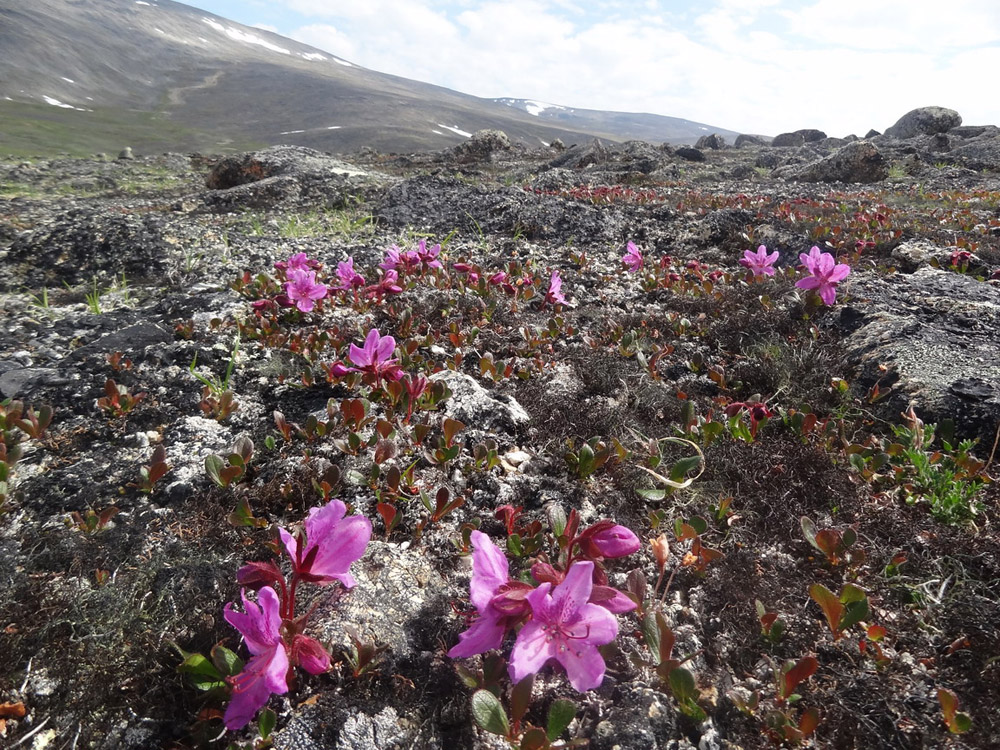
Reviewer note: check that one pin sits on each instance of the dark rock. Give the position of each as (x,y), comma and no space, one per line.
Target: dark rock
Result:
(690,154)
(578,157)
(21,382)
(748,140)
(785,140)
(872,134)
(981,154)
(922,336)
(855,162)
(295,161)
(82,244)
(713,141)
(969,131)
(924,121)
(126,153)
(811,135)
(482,145)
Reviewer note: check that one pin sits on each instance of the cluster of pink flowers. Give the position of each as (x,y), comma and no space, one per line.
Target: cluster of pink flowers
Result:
(422,258)
(824,271)
(321,554)
(565,618)
(824,274)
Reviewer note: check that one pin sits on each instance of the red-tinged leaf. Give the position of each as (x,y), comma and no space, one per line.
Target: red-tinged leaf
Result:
(384,450)
(802,670)
(809,721)
(667,638)
(830,544)
(768,620)
(13,710)
(957,722)
(875,633)
(958,644)
(520,697)
(830,604)
(389,515)
(451,428)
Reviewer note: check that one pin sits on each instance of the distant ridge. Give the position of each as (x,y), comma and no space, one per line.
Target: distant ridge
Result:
(95,75)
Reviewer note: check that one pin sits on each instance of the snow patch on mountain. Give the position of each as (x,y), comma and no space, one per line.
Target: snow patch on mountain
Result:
(455,129)
(242,36)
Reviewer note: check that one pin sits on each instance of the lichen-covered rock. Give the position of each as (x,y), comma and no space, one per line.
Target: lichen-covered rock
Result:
(294,161)
(929,338)
(482,145)
(713,141)
(786,140)
(924,121)
(855,162)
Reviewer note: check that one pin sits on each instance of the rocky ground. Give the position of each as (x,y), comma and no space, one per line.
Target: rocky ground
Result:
(128,309)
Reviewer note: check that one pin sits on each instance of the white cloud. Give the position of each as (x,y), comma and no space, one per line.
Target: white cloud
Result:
(762,66)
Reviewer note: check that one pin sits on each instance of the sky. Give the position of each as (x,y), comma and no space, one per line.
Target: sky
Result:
(753,66)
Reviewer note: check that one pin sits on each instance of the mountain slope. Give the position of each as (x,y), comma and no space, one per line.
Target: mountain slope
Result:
(86,75)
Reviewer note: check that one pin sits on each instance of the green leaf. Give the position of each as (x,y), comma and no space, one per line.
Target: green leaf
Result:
(226,661)
(520,697)
(652,494)
(682,685)
(808,530)
(202,673)
(214,466)
(266,721)
(561,713)
(489,714)
(534,739)
(681,467)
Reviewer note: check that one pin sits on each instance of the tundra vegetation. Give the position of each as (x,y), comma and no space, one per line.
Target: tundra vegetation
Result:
(443,451)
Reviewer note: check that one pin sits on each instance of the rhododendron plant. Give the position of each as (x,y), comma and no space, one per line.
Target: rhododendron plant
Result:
(375,358)
(303,289)
(824,274)
(332,542)
(270,628)
(564,626)
(349,278)
(632,258)
(554,295)
(760,263)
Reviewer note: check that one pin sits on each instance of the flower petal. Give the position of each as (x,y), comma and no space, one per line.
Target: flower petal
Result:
(338,548)
(531,649)
(570,595)
(489,571)
(485,634)
(809,282)
(259,625)
(386,346)
(584,667)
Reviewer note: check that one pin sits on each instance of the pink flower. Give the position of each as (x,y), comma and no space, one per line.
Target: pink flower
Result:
(565,627)
(632,258)
(298,262)
(267,671)
(331,544)
(608,539)
(760,263)
(499,602)
(554,296)
(428,257)
(374,358)
(824,272)
(303,289)
(349,278)
(395,258)
(388,284)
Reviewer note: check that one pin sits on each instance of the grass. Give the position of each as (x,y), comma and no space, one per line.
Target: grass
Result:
(41,130)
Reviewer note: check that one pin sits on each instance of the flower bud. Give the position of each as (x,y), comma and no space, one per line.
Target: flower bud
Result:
(661,550)
(616,541)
